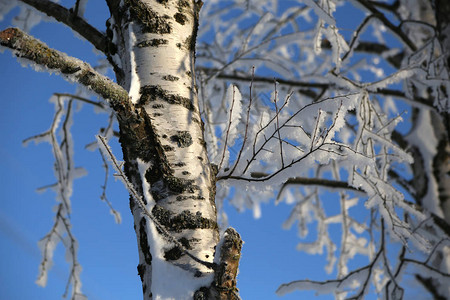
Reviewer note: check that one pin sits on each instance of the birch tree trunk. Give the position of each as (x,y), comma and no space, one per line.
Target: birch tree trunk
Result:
(151,46)
(164,150)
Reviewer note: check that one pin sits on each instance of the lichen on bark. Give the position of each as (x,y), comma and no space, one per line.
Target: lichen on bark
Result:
(150,21)
(183,220)
(154,92)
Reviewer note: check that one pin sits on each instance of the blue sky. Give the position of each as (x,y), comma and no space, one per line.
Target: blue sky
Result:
(108,252)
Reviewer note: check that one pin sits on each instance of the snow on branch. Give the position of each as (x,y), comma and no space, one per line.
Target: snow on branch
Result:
(72,69)
(65,173)
(307,88)
(335,132)
(108,132)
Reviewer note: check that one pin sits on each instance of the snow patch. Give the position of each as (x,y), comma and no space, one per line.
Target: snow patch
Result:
(135,84)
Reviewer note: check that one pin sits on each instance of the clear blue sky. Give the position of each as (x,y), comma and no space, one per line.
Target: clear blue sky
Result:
(108,252)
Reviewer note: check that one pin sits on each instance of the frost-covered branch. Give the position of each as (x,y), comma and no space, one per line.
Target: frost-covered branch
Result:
(73,20)
(65,173)
(108,132)
(289,83)
(34,51)
(103,196)
(314,122)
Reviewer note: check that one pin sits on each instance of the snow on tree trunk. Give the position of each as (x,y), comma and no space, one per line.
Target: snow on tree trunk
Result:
(150,45)
(164,151)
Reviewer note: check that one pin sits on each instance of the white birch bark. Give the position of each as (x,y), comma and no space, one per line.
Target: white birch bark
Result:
(150,45)
(168,162)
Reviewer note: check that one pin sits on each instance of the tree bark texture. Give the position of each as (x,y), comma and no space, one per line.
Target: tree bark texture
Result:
(151,44)
(163,148)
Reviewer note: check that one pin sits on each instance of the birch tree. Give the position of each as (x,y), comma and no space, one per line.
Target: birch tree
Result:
(283,104)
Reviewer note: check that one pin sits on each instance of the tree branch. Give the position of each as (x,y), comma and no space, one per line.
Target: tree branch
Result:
(383,19)
(69,18)
(321,182)
(226,271)
(73,69)
(307,84)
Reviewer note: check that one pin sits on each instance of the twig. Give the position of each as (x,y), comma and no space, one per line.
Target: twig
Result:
(140,202)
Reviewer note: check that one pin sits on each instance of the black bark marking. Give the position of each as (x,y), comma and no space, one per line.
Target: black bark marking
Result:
(170,78)
(182,138)
(212,186)
(173,254)
(144,288)
(141,271)
(168,148)
(189,43)
(197,6)
(143,241)
(180,164)
(111,48)
(180,185)
(170,185)
(139,140)
(202,142)
(192,197)
(149,20)
(186,243)
(182,4)
(183,8)
(180,18)
(153,92)
(152,43)
(184,220)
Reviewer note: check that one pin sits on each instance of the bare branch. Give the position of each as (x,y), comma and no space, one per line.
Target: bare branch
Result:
(320,182)
(395,29)
(69,18)
(82,99)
